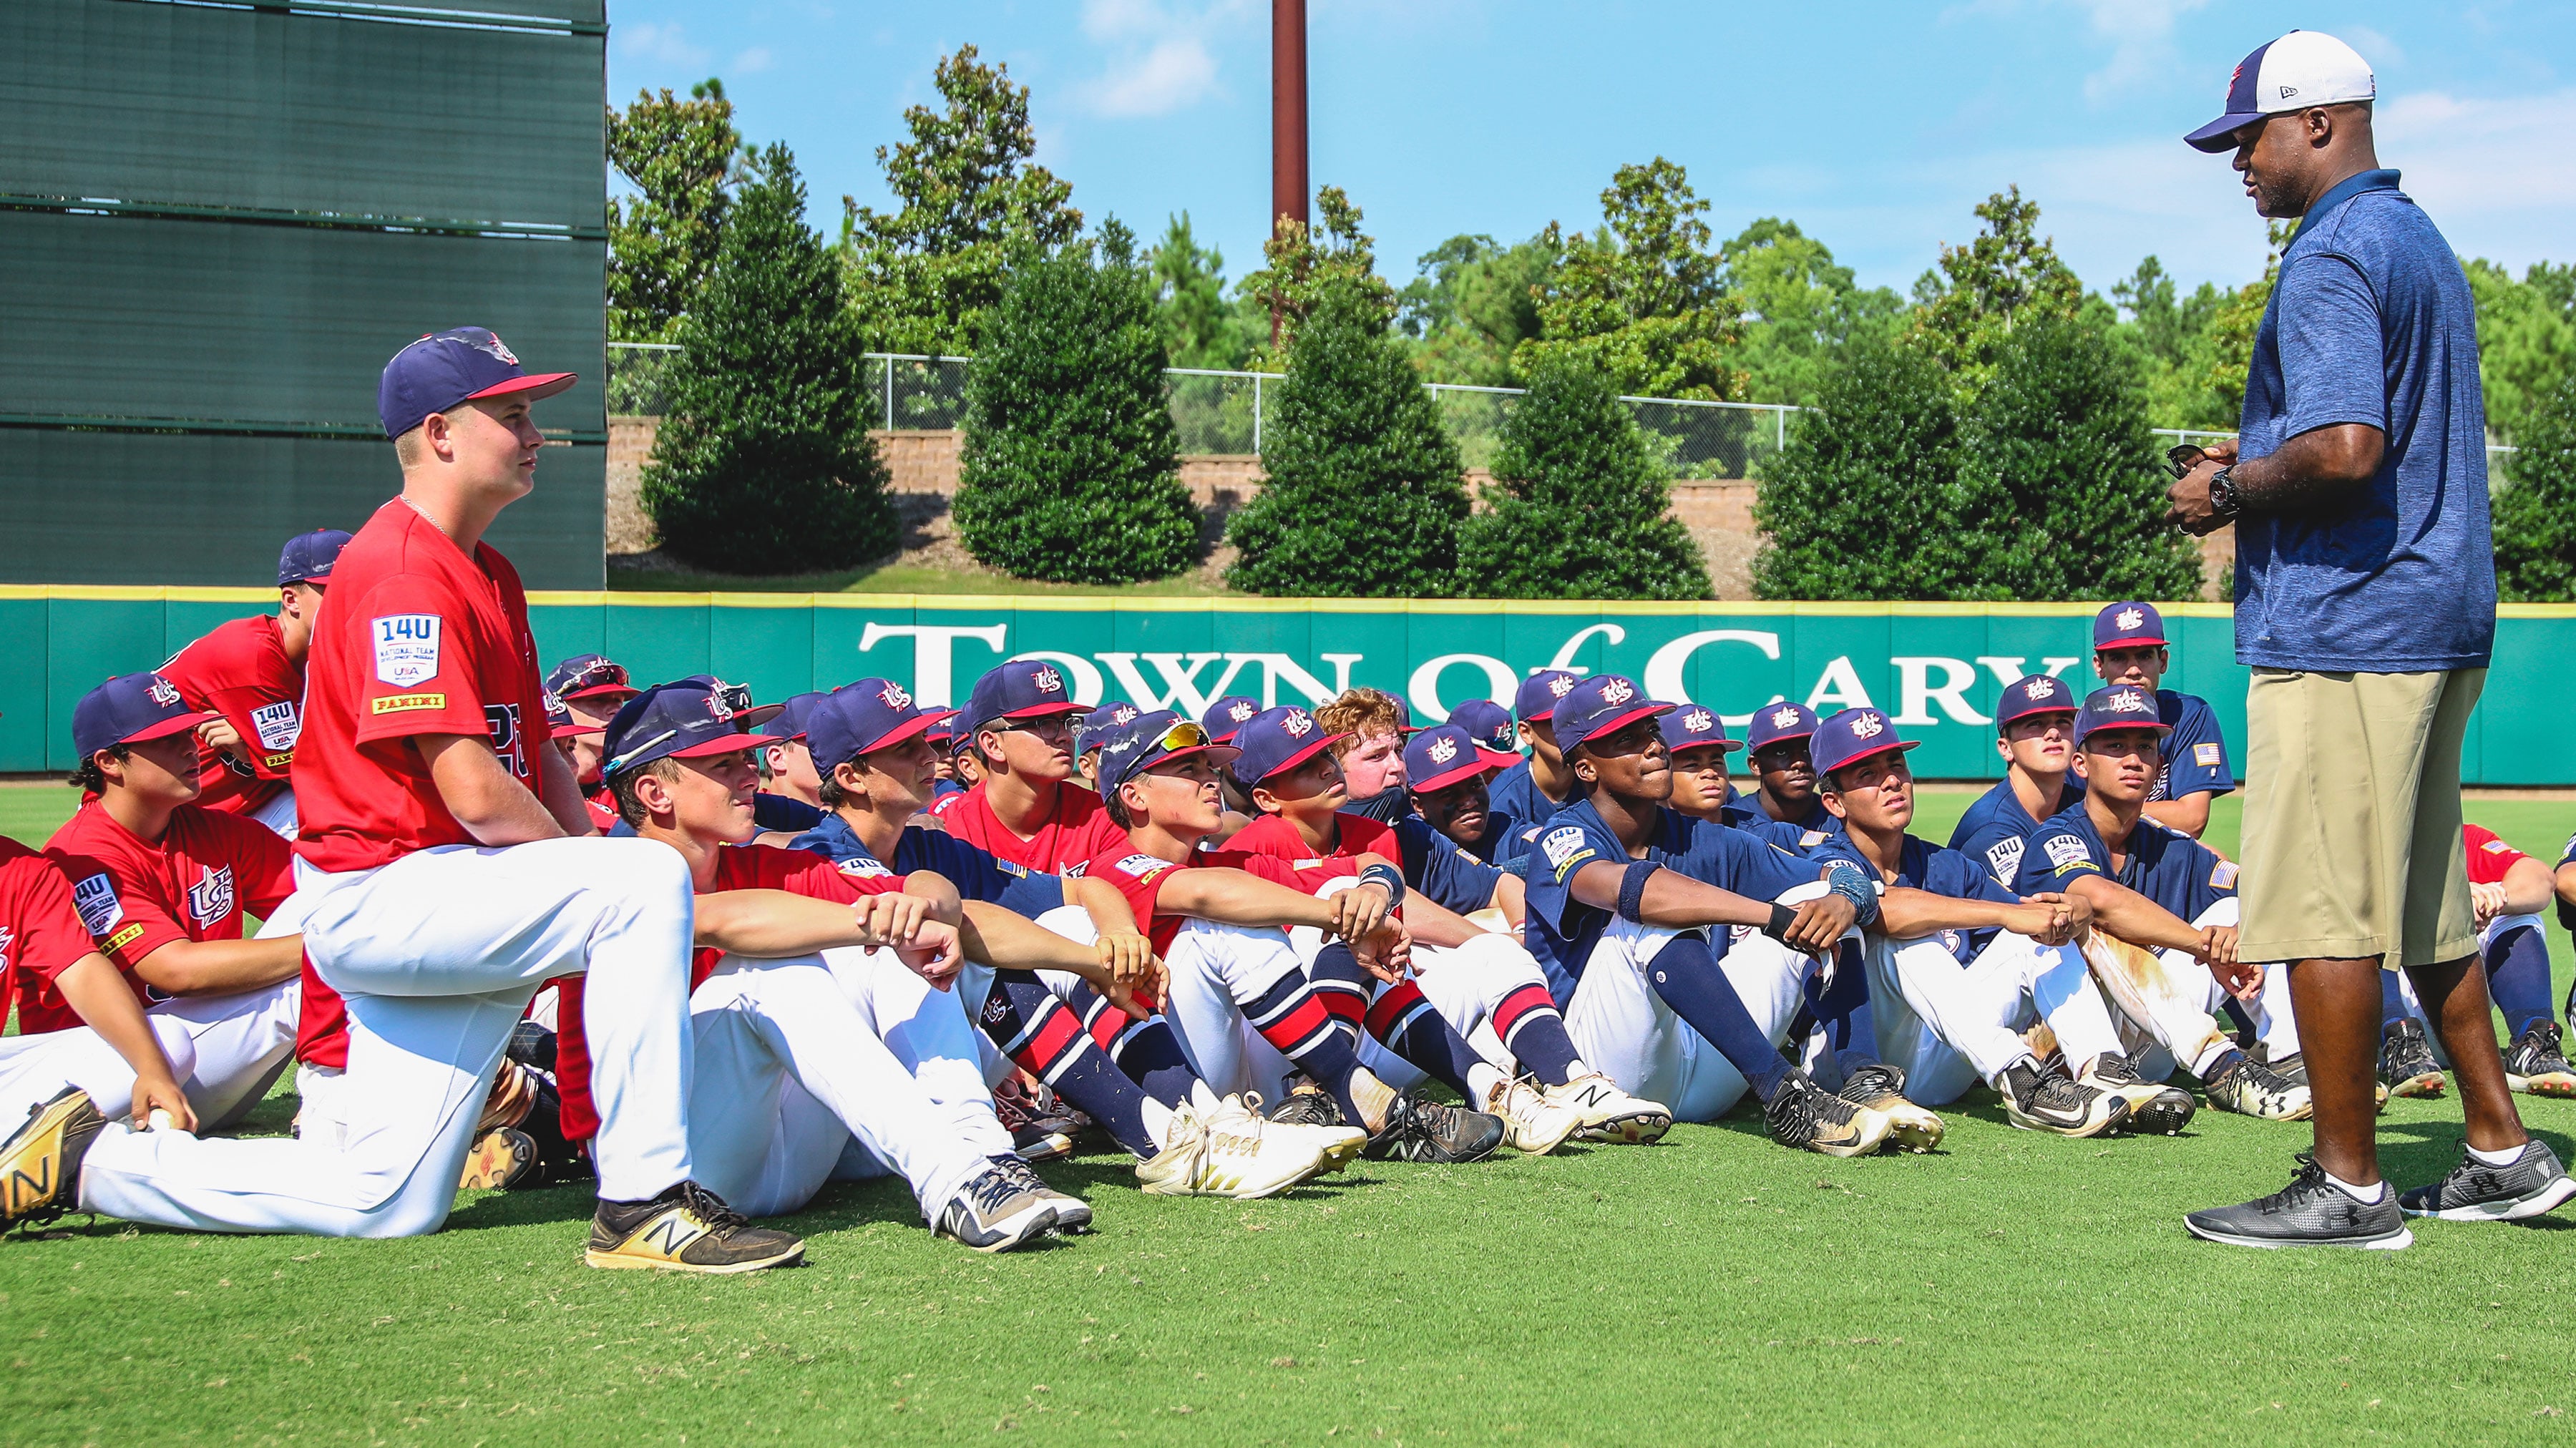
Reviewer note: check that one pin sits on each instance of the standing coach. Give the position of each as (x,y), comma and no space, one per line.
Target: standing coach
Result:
(2365,605)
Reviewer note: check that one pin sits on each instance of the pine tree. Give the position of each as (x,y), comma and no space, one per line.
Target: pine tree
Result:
(1364,496)
(2535,514)
(1069,469)
(763,463)
(1580,506)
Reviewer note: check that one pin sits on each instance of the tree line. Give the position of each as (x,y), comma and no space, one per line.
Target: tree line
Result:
(1986,437)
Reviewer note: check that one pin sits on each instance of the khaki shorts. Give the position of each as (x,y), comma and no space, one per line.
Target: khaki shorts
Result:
(2352,841)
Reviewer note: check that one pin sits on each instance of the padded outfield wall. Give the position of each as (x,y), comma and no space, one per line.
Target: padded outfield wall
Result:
(1936,667)
(218,221)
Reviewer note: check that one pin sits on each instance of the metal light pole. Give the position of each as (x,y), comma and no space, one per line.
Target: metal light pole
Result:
(1287,122)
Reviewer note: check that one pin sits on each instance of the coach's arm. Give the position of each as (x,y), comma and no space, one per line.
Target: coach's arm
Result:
(494,807)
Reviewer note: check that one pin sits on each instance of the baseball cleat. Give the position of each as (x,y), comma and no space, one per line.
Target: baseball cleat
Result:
(1610,1114)
(1421,1130)
(502,1158)
(1307,1105)
(2155,1109)
(2250,1088)
(1804,1115)
(2292,1068)
(1881,1088)
(2406,1064)
(2534,1063)
(2046,1101)
(40,1162)
(532,1046)
(1232,1152)
(1533,1125)
(1006,1205)
(1339,1141)
(2309,1212)
(2530,1184)
(686,1229)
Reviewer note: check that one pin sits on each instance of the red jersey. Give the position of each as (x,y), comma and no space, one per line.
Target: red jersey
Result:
(413,638)
(746,867)
(135,897)
(1080,831)
(1357,835)
(1141,877)
(241,671)
(2489,857)
(40,933)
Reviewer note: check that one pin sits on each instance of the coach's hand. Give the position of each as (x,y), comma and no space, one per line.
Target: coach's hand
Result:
(1818,924)
(2188,498)
(2243,979)
(1359,911)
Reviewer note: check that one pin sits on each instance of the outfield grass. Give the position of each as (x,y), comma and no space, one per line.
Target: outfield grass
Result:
(2012,1288)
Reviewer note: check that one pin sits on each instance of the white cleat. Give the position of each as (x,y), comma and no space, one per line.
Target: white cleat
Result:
(1533,1124)
(1232,1152)
(1610,1114)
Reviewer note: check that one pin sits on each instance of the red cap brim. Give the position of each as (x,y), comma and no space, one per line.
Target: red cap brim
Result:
(918,724)
(595,690)
(539,386)
(1298,758)
(721,744)
(1895,746)
(1047,711)
(163,729)
(1483,763)
(1622,721)
(2136,643)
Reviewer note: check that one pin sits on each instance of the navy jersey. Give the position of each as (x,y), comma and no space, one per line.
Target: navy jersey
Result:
(1710,853)
(977,874)
(2195,752)
(1814,817)
(1996,828)
(1500,842)
(784,814)
(1434,865)
(1514,792)
(2567,911)
(1386,806)
(1923,865)
(2165,865)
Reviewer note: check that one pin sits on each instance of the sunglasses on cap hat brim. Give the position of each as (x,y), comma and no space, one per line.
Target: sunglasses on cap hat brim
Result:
(1182,741)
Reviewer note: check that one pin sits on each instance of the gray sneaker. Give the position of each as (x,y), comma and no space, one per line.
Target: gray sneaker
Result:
(2527,1186)
(1006,1206)
(2309,1212)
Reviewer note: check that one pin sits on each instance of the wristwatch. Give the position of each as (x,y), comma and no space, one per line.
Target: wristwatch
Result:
(2222,495)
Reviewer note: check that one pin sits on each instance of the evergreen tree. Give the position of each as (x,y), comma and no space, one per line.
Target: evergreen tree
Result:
(1580,509)
(1645,297)
(1303,263)
(2535,514)
(2010,274)
(1865,501)
(1364,496)
(1069,470)
(763,463)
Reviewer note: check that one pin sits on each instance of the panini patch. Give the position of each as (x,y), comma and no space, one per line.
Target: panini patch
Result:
(403,703)
(125,937)
(406,648)
(2205,755)
(277,724)
(95,899)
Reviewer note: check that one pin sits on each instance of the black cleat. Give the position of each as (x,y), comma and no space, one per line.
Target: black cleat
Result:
(2532,1183)
(2309,1212)
(1419,1130)
(2406,1064)
(2046,1101)
(532,1046)
(1309,1105)
(2155,1109)
(2535,1064)
(1804,1116)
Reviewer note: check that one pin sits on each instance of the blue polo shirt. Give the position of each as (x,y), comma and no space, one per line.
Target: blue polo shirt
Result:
(2195,751)
(1713,854)
(2165,865)
(976,874)
(2370,321)
(1995,829)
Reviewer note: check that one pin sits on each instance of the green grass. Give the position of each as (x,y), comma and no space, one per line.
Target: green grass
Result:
(896,578)
(2012,1288)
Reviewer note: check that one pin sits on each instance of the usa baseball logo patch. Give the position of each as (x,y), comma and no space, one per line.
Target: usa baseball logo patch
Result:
(2065,850)
(95,899)
(211,898)
(865,869)
(1144,867)
(1563,848)
(406,648)
(1443,750)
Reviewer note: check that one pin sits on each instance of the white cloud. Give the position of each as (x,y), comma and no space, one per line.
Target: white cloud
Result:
(2495,174)
(2376,48)
(1122,19)
(752,61)
(2142,48)
(669,44)
(1173,75)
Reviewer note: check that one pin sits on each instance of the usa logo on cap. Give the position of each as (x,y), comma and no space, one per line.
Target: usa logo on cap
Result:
(1443,750)
(1698,720)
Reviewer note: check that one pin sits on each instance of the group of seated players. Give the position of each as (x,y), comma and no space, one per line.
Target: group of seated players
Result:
(1246,947)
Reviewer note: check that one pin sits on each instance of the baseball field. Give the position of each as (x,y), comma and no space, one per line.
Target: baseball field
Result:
(2011,1288)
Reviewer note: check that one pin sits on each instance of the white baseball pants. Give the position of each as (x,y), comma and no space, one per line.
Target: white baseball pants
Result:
(1948,1026)
(225,1050)
(278,814)
(1624,1030)
(437,955)
(2165,1003)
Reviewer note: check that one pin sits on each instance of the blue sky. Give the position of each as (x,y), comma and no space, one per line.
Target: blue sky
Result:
(1875,127)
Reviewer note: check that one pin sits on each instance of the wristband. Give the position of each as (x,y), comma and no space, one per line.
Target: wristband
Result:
(1781,918)
(1632,890)
(1844,878)
(1388,876)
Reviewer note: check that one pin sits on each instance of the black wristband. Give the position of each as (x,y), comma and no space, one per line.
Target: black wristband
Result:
(1387,877)
(1781,917)
(1632,890)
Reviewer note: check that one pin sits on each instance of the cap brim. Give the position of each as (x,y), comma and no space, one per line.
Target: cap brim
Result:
(1485,762)
(2220,134)
(1618,722)
(595,690)
(2141,641)
(2069,710)
(1893,746)
(2116,725)
(574,731)
(916,725)
(164,728)
(721,744)
(322,577)
(538,386)
(1038,711)
(1219,755)
(1293,760)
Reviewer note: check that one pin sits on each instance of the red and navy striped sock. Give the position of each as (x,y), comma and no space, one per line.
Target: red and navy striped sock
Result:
(1407,1025)
(1146,1050)
(1048,1041)
(1293,1016)
(1533,1030)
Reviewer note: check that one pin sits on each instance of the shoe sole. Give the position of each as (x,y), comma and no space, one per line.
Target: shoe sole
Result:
(2396,1241)
(2160,1113)
(1036,1223)
(500,1160)
(2305,1110)
(2549,1198)
(1636,1128)
(617,1261)
(60,1118)
(2554,1084)
(2428,1084)
(1871,1137)
(2112,1120)
(1052,1146)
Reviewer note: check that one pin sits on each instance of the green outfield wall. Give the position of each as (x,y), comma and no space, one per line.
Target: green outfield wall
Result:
(1936,667)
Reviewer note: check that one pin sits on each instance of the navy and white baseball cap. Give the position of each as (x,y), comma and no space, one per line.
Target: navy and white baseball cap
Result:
(1444,754)
(1020,689)
(2301,69)
(1849,737)
(685,719)
(1227,715)
(1601,704)
(559,720)
(1539,693)
(588,676)
(862,718)
(1690,726)
(307,557)
(1096,725)
(1780,723)
(2033,694)
(2128,626)
(1141,743)
(443,369)
(797,715)
(130,709)
(1278,739)
(1488,723)
(2121,706)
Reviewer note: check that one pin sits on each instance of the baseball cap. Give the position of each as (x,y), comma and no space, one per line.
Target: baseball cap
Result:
(2121,706)
(1275,740)
(1690,726)
(1020,689)
(861,718)
(130,709)
(1601,704)
(1488,723)
(797,714)
(685,719)
(587,676)
(1403,714)
(2301,69)
(559,720)
(1227,715)
(1444,754)
(307,557)
(1850,736)
(2033,694)
(1539,693)
(1778,724)
(443,369)
(1130,749)
(1087,734)
(2128,626)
